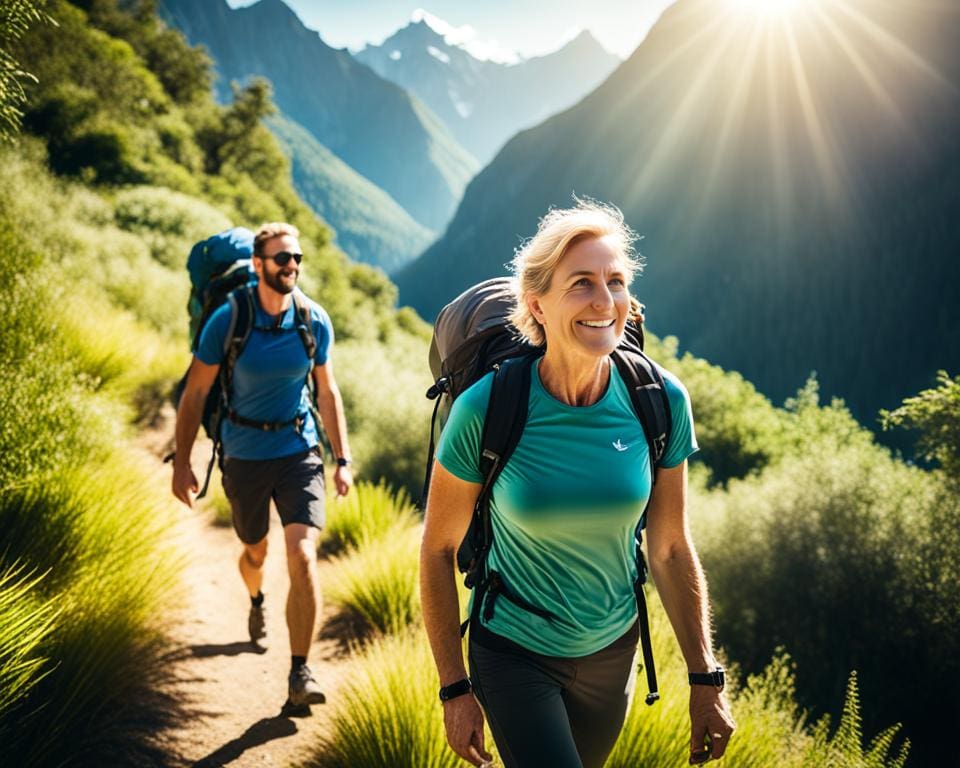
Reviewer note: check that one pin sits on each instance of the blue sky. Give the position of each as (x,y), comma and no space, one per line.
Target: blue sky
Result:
(497,28)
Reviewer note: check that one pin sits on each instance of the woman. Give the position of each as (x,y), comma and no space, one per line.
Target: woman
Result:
(563,512)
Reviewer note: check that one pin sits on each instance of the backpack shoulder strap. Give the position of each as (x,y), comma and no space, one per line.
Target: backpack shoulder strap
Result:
(304,326)
(505,418)
(648,395)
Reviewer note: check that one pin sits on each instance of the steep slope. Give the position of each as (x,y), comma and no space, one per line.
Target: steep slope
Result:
(796,181)
(370,226)
(484,103)
(371,124)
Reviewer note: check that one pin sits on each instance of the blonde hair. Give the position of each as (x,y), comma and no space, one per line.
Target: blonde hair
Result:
(562,228)
(269,231)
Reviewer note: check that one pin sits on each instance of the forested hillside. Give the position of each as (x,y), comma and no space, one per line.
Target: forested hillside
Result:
(826,555)
(374,126)
(795,183)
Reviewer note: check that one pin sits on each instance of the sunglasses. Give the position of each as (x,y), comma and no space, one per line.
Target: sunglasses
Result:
(283,258)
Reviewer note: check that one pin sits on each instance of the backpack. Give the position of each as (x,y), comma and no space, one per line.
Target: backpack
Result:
(472,336)
(221,272)
(217,266)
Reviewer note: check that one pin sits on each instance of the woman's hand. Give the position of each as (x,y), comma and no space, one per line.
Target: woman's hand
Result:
(463,721)
(711,724)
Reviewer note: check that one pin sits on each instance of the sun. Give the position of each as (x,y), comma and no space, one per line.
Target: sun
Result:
(767,7)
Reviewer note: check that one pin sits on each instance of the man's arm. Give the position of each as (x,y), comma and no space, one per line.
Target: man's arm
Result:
(682,588)
(200,378)
(330,405)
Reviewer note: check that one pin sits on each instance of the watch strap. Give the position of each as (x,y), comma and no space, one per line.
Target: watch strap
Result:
(459,688)
(715,678)
(342,462)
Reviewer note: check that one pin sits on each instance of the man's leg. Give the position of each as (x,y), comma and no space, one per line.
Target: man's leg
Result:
(300,499)
(248,486)
(251,565)
(303,598)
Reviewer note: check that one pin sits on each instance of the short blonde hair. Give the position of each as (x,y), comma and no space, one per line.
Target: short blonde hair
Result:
(269,231)
(560,230)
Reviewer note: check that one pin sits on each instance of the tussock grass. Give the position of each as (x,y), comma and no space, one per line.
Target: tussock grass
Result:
(378,581)
(25,624)
(96,532)
(365,514)
(387,711)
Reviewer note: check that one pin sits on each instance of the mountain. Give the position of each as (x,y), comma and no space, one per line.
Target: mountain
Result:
(375,127)
(796,183)
(370,226)
(484,103)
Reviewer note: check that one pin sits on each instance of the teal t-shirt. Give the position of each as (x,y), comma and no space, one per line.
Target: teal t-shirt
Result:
(564,509)
(269,379)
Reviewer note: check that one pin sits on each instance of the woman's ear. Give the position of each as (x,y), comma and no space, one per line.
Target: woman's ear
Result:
(533,304)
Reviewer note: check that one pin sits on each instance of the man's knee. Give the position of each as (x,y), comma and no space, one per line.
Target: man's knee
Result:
(255,554)
(301,550)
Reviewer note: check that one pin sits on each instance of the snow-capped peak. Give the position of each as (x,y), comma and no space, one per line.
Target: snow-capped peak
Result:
(465,37)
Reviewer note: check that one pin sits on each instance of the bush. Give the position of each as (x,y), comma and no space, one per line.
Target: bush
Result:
(842,555)
(367,513)
(378,581)
(387,713)
(387,414)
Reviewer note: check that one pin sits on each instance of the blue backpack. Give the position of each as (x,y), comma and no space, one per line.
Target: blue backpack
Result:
(217,266)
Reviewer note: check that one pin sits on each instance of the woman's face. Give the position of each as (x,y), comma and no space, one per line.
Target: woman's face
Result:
(587,305)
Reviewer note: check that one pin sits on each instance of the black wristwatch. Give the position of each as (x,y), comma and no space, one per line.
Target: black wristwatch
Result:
(714,678)
(342,462)
(456,689)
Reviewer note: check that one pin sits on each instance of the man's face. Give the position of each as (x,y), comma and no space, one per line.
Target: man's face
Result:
(281,278)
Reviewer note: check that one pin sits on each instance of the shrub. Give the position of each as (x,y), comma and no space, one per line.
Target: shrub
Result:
(25,627)
(387,712)
(364,515)
(378,581)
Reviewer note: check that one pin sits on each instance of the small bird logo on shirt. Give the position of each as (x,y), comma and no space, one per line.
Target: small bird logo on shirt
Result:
(620,446)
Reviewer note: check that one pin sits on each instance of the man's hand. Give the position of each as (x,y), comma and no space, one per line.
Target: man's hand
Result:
(185,484)
(463,721)
(343,480)
(711,724)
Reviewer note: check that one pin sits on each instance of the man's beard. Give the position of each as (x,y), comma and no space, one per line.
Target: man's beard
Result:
(274,281)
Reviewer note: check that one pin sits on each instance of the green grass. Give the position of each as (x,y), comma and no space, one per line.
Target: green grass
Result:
(364,515)
(387,713)
(26,625)
(378,581)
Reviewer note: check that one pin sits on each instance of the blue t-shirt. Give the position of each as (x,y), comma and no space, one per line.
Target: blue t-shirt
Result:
(268,380)
(564,509)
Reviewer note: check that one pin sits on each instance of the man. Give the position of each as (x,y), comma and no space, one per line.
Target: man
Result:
(270,439)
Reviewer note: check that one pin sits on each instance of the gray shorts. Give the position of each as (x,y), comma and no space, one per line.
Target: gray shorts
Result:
(294,482)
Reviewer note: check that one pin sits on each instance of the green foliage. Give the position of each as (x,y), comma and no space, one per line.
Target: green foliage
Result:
(383,393)
(16,16)
(169,222)
(386,712)
(367,513)
(378,581)
(25,627)
(936,414)
(848,558)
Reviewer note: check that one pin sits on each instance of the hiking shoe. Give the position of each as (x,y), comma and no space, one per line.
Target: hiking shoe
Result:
(257,623)
(303,689)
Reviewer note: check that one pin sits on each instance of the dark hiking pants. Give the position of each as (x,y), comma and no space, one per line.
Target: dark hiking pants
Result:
(548,711)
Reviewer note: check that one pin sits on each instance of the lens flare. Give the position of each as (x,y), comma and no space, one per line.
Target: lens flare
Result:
(767,7)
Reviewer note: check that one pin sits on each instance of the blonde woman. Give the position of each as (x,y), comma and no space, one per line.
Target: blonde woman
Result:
(555,683)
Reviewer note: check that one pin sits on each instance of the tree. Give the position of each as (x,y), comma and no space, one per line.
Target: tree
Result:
(16,16)
(936,414)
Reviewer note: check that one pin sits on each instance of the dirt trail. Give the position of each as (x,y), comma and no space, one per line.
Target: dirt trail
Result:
(234,690)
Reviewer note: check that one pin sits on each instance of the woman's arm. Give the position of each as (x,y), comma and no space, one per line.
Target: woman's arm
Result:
(449,508)
(682,588)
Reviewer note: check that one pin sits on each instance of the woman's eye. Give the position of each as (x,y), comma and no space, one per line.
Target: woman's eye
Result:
(617,281)
(583,281)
